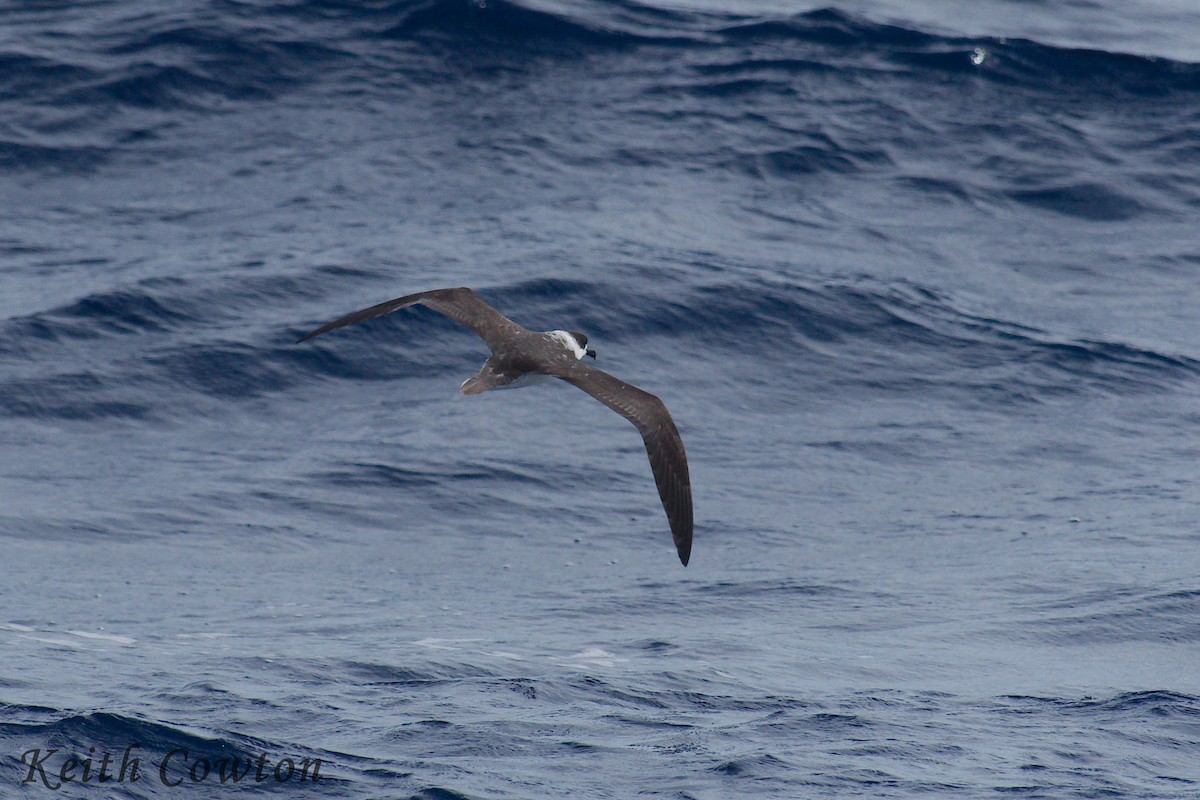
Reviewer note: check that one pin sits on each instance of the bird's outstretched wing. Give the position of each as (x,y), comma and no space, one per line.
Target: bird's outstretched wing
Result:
(461,305)
(668,460)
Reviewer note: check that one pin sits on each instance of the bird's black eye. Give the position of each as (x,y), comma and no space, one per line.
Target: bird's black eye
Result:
(579,337)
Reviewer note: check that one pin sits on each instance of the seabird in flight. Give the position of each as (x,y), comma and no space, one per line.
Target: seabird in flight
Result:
(521,357)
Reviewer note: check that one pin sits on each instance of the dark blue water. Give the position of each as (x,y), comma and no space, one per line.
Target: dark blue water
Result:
(920,288)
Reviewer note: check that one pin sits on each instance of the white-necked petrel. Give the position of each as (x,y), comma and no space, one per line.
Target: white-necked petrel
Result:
(521,357)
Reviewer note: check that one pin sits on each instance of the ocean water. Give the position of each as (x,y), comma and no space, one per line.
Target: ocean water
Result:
(919,284)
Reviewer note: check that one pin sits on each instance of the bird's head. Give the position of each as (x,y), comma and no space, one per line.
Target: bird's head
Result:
(582,348)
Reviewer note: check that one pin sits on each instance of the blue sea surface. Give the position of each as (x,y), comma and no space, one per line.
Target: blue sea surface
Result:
(919,284)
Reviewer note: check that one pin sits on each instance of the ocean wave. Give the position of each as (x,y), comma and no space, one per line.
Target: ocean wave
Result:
(1005,60)
(51,159)
(822,157)
(148,758)
(904,338)
(1089,201)
(1152,704)
(155,61)
(1121,616)
(899,338)
(122,311)
(76,395)
(80,731)
(756,100)
(164,63)
(915,337)
(173,61)
(23,75)
(499,24)
(831,38)
(144,308)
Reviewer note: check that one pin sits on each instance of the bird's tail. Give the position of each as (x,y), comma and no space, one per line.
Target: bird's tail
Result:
(489,377)
(474,385)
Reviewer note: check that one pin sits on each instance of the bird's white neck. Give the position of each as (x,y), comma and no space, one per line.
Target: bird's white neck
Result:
(569,340)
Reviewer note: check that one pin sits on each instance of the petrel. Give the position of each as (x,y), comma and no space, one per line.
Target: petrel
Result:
(521,357)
